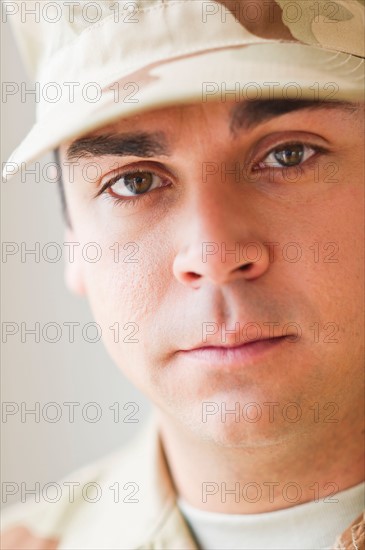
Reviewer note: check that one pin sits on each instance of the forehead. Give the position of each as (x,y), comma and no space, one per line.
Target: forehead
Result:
(170,117)
(163,124)
(156,128)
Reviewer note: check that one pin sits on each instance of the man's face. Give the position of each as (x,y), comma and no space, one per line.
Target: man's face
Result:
(218,231)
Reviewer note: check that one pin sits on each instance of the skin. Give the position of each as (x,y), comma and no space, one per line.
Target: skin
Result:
(170,292)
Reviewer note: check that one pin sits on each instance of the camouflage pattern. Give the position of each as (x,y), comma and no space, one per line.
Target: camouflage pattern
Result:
(335,24)
(171,48)
(354,536)
(332,24)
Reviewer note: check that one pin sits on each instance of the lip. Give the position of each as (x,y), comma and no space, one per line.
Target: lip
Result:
(237,355)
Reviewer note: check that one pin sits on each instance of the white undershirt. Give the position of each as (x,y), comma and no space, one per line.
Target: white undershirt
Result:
(313,525)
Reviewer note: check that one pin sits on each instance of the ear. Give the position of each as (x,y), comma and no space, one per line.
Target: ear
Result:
(73,269)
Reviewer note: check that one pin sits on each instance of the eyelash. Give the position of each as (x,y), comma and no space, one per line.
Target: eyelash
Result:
(315,148)
(132,201)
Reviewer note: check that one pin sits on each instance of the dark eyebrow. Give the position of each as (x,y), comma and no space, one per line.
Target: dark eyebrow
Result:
(244,115)
(251,113)
(138,144)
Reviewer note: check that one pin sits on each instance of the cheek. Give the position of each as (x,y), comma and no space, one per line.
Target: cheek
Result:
(329,229)
(340,256)
(333,278)
(126,290)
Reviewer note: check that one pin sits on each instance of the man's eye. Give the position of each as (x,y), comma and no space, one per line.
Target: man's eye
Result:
(287,156)
(133,183)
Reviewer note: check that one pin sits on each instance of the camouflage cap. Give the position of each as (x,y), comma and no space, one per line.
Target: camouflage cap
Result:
(94,62)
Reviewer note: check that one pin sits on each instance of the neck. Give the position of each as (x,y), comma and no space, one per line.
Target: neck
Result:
(261,478)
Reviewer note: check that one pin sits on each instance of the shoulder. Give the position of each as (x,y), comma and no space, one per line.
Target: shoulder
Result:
(70,506)
(40,521)
(353,537)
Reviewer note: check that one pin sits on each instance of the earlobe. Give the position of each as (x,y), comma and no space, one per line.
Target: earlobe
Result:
(73,268)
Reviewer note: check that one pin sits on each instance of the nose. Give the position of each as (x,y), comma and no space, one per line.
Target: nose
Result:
(219,244)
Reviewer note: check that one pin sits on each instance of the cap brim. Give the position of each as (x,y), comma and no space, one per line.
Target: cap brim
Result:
(260,71)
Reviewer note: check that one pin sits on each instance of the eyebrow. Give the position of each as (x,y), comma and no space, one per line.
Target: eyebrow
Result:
(243,116)
(136,144)
(246,115)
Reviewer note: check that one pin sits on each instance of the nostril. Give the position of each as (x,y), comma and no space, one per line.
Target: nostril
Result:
(192,275)
(245,267)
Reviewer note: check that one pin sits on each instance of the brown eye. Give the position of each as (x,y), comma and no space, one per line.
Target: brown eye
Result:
(132,184)
(136,183)
(290,155)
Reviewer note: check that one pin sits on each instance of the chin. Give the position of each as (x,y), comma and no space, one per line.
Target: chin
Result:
(208,421)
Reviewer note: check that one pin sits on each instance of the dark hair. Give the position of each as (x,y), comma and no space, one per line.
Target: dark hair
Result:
(61,189)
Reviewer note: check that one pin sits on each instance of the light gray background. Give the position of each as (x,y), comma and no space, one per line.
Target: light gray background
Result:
(30,292)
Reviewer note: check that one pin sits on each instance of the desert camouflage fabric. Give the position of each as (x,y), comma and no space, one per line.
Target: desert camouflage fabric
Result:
(336,25)
(354,536)
(170,49)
